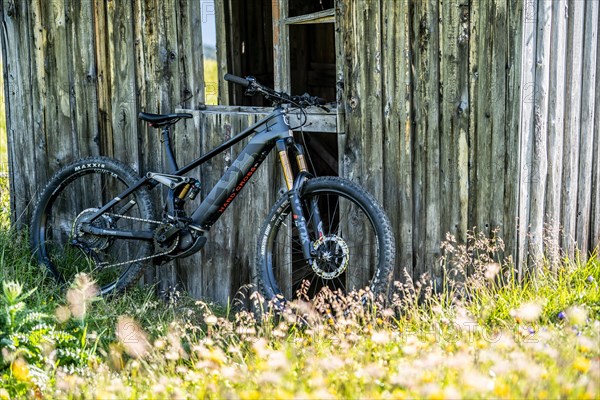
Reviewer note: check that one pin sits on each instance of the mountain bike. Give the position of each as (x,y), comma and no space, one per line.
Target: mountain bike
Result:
(97,214)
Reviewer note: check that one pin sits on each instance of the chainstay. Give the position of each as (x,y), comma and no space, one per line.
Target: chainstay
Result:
(101,267)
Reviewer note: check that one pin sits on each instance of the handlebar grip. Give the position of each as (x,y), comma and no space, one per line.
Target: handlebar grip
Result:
(237,80)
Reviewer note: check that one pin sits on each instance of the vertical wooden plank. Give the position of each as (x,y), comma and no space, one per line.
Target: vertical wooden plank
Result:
(397,125)
(57,113)
(250,210)
(168,93)
(595,217)
(426,146)
(217,258)
(482,149)
(573,89)
(454,77)
(528,88)
(587,135)
(362,154)
(191,59)
(281,51)
(103,61)
(19,64)
(84,103)
(146,53)
(187,143)
(497,115)
(123,110)
(539,164)
(474,50)
(556,104)
(515,33)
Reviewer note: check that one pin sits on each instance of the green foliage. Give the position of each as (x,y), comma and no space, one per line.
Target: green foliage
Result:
(34,344)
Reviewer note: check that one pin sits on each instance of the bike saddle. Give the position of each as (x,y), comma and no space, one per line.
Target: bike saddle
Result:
(160,120)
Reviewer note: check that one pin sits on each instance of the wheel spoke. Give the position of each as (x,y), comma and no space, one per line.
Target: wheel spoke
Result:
(345,258)
(69,202)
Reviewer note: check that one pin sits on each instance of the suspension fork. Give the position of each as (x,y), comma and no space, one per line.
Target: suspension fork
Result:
(294,185)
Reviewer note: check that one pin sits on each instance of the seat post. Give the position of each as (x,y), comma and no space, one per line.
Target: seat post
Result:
(166,139)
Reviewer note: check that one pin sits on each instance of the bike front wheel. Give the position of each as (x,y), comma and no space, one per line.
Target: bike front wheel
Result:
(68,202)
(355,249)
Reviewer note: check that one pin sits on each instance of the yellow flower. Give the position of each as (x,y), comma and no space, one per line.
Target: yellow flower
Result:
(250,395)
(502,390)
(582,364)
(437,395)
(20,370)
(427,377)
(399,394)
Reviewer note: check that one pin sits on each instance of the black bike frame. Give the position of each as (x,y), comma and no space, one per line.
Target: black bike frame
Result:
(273,130)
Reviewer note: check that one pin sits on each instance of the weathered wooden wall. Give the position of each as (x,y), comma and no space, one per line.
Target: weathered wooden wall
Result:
(463,115)
(77,73)
(455,114)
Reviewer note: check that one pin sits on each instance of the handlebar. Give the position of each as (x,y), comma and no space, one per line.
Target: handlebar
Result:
(237,80)
(278,98)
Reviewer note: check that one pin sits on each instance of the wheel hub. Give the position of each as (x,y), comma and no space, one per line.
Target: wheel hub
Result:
(88,240)
(332,256)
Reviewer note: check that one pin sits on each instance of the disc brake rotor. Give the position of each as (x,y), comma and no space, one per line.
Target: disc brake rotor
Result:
(332,256)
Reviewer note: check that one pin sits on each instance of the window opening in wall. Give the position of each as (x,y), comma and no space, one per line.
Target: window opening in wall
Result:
(312,60)
(304,7)
(248,34)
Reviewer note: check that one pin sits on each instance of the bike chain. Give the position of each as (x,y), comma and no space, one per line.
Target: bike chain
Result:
(142,258)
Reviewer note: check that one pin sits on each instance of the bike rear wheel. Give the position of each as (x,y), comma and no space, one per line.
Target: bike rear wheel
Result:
(356,251)
(69,200)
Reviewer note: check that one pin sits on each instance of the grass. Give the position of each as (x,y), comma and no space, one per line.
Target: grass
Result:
(211,81)
(486,335)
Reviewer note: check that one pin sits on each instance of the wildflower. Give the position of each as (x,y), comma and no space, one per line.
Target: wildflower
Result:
(477,381)
(83,290)
(380,337)
(491,270)
(502,390)
(210,320)
(132,336)
(590,279)
(582,364)
(277,360)
(12,291)
(561,315)
(528,312)
(62,314)
(20,370)
(4,395)
(585,344)
(576,315)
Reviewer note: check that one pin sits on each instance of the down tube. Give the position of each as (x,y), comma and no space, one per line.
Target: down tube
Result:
(230,184)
